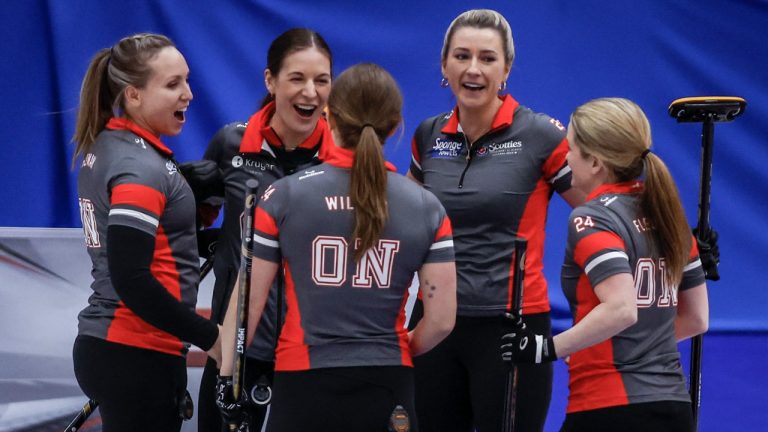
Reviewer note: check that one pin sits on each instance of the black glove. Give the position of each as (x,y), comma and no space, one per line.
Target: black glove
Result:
(523,346)
(204,177)
(709,252)
(206,242)
(232,411)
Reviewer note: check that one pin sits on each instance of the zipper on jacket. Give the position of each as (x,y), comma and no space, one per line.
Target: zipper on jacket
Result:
(469,161)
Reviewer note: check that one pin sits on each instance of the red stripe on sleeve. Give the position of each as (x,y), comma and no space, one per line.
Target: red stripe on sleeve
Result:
(263,222)
(415,150)
(593,243)
(140,196)
(532,223)
(556,160)
(445,229)
(694,249)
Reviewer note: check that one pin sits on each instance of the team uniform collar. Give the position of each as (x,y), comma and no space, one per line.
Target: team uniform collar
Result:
(344,158)
(503,118)
(259,130)
(122,123)
(634,186)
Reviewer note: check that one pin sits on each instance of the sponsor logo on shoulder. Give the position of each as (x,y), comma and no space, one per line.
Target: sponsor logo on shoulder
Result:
(310,173)
(607,200)
(557,124)
(444,149)
(171,167)
(89,160)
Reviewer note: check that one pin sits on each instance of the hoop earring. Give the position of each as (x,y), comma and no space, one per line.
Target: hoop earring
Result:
(502,86)
(444,82)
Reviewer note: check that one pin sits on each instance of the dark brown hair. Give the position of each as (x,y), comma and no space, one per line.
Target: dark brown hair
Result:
(365,105)
(289,42)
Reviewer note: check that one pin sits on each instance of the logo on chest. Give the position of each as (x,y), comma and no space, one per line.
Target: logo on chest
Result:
(171,167)
(443,149)
(251,165)
(497,149)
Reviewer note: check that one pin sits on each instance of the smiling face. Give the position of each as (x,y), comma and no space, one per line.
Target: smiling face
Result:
(301,91)
(475,67)
(160,106)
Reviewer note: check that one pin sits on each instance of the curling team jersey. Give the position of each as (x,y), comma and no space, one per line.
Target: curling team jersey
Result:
(493,192)
(642,363)
(341,313)
(246,151)
(130,178)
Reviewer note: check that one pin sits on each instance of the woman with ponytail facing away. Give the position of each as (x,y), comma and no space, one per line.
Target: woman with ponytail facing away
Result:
(344,356)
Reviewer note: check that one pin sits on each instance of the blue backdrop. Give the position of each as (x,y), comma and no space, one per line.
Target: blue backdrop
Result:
(567,53)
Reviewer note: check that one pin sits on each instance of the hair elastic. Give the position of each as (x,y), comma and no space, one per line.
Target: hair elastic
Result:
(645,153)
(367,125)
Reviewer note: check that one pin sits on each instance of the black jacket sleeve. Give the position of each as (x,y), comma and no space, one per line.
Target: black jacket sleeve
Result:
(129,255)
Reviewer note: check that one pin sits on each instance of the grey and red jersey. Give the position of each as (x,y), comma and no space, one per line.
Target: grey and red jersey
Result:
(607,236)
(495,191)
(342,313)
(244,151)
(129,178)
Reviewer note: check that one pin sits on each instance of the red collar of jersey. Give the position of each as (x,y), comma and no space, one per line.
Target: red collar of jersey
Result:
(122,123)
(633,186)
(503,118)
(343,158)
(258,130)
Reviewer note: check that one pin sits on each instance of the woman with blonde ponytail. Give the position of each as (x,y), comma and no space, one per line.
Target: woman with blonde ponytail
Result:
(632,275)
(350,233)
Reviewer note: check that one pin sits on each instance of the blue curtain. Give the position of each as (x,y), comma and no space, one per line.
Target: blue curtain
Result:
(567,53)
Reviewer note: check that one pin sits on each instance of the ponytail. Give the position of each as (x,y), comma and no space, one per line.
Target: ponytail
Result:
(660,202)
(95,104)
(368,191)
(365,107)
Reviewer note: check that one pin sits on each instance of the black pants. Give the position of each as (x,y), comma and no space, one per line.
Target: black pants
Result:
(208,417)
(341,399)
(460,384)
(137,389)
(664,416)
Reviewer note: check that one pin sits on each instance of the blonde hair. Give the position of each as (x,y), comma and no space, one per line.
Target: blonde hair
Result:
(112,70)
(365,105)
(616,131)
(481,19)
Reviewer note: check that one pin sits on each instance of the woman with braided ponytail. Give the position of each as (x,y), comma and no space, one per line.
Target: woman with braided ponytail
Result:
(350,233)
(633,277)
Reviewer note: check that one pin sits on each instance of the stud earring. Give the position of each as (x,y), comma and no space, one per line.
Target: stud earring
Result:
(503,86)
(444,82)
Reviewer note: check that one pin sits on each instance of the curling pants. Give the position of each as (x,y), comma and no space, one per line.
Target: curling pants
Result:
(137,389)
(460,384)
